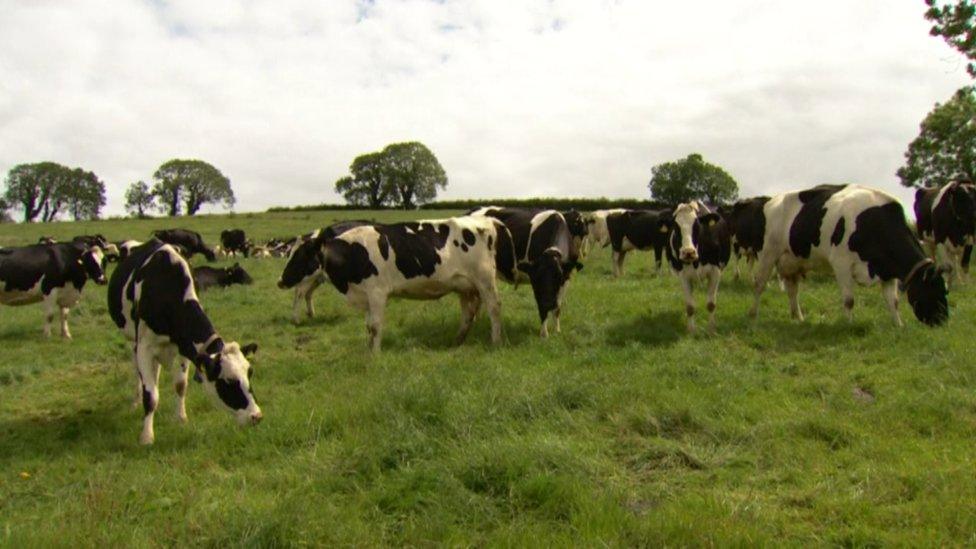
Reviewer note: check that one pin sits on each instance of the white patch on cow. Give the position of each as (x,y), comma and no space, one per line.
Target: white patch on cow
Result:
(685,216)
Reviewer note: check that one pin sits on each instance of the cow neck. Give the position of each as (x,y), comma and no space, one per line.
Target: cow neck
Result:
(907,279)
(213,345)
(194,332)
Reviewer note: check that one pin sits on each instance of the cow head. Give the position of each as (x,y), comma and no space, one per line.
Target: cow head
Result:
(548,275)
(92,260)
(685,225)
(237,275)
(227,375)
(304,262)
(926,291)
(578,226)
(210,254)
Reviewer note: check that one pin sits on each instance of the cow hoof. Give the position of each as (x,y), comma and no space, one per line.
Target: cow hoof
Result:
(182,419)
(146,440)
(66,336)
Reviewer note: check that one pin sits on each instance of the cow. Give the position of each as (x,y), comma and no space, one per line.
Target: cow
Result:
(422,260)
(946,222)
(234,241)
(52,273)
(205,277)
(47,240)
(186,242)
(627,230)
(578,228)
(698,246)
(110,250)
(862,235)
(125,247)
(546,256)
(152,299)
(747,227)
(304,268)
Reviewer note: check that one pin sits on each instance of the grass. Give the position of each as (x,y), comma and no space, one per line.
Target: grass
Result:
(623,430)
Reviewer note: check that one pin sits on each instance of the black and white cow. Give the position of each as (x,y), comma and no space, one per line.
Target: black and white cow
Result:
(578,227)
(234,241)
(52,273)
(747,225)
(546,255)
(628,230)
(187,242)
(207,277)
(422,260)
(698,247)
(946,222)
(110,250)
(304,268)
(862,235)
(151,298)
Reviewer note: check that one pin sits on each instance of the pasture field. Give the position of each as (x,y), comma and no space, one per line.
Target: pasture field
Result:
(622,430)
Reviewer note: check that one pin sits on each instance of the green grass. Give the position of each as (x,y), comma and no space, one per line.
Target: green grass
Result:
(623,430)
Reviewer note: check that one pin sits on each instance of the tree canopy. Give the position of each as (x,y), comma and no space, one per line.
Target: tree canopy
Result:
(186,185)
(955,22)
(139,199)
(402,174)
(945,149)
(692,178)
(45,189)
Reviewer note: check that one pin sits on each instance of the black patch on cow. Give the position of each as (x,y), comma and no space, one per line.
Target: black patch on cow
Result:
(234,240)
(504,252)
(60,264)
(805,230)
(384,245)
(491,242)
(924,200)
(231,393)
(348,263)
(206,277)
(838,235)
(954,216)
(468,237)
(747,223)
(456,243)
(304,260)
(189,242)
(148,406)
(416,251)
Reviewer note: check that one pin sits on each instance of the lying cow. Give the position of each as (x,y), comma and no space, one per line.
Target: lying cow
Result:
(698,246)
(52,273)
(422,260)
(304,268)
(747,226)
(234,241)
(151,298)
(186,242)
(946,222)
(546,255)
(862,235)
(207,277)
(629,230)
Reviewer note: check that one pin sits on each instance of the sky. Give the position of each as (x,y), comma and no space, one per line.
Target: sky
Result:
(516,98)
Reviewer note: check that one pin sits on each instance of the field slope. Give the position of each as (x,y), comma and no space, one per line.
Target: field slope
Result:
(622,430)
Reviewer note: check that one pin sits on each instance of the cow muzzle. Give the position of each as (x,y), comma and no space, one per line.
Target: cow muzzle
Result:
(256,417)
(282,285)
(101,281)
(688,255)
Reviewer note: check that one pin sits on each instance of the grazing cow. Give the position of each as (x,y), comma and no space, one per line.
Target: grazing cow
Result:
(234,241)
(207,277)
(946,222)
(629,230)
(188,242)
(151,298)
(747,225)
(53,273)
(422,260)
(862,235)
(304,268)
(546,255)
(698,246)
(578,228)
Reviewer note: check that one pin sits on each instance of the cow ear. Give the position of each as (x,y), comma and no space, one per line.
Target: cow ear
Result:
(525,266)
(578,266)
(249,349)
(664,223)
(709,219)
(209,365)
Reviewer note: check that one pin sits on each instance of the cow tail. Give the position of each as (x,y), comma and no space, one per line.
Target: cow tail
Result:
(505,252)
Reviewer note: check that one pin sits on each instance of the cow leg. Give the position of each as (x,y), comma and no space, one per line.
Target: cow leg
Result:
(658,252)
(470,304)
(149,375)
(50,305)
(846,283)
(65,332)
(181,374)
(296,305)
(137,395)
(714,277)
(792,286)
(616,260)
(488,292)
(559,306)
(944,259)
(374,321)
(763,272)
(686,276)
(889,290)
(309,294)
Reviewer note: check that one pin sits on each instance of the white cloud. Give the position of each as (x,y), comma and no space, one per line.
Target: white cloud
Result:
(516,98)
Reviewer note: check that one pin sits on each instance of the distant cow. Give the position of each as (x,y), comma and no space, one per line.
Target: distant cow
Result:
(188,242)
(422,260)
(546,255)
(110,250)
(304,268)
(151,298)
(946,222)
(578,228)
(627,230)
(234,241)
(747,225)
(207,277)
(862,235)
(53,273)
(698,246)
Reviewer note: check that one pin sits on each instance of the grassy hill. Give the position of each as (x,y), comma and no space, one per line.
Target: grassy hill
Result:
(621,430)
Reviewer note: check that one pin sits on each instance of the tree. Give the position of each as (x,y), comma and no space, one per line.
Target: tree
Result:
(413,173)
(85,195)
(44,188)
(139,199)
(189,184)
(956,24)
(945,149)
(367,185)
(692,179)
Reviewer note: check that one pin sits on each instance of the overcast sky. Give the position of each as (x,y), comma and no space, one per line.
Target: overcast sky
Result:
(516,98)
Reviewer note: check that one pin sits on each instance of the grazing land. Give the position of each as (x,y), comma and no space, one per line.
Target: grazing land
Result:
(621,430)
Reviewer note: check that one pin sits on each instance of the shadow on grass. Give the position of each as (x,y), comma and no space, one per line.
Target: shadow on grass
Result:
(656,329)
(24,333)
(94,430)
(806,336)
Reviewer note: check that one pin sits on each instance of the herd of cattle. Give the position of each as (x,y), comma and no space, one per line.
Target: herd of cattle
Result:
(859,233)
